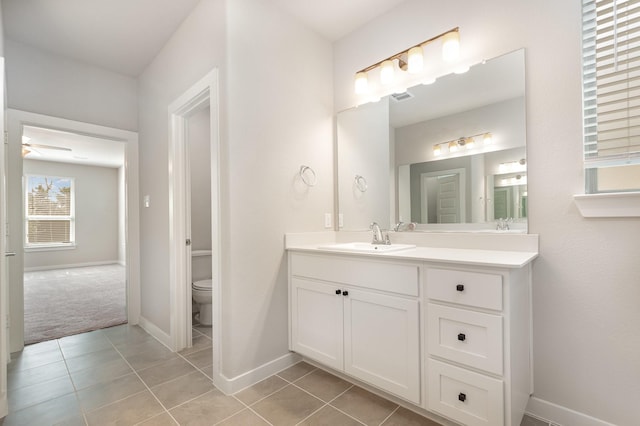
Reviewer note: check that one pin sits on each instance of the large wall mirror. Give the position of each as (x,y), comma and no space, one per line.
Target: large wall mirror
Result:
(449,156)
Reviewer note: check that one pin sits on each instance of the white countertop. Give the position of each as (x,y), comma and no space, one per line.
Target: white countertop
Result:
(469,256)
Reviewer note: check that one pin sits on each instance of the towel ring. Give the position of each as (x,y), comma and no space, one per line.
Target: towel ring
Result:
(361,183)
(308,176)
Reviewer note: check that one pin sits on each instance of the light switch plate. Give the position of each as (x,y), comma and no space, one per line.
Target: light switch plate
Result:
(327,220)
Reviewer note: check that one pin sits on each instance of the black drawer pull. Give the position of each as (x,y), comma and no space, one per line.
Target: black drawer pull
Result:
(462,397)
(460,287)
(462,337)
(345,293)
(338,292)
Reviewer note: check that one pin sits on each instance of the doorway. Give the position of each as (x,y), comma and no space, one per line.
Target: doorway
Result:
(22,123)
(197,101)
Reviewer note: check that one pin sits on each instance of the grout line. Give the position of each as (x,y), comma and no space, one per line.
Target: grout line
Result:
(390,414)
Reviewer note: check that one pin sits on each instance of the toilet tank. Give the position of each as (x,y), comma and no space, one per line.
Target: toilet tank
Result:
(200,265)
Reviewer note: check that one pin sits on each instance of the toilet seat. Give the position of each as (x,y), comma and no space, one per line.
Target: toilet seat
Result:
(203,285)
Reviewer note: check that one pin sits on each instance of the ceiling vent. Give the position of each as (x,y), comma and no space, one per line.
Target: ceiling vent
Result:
(399,97)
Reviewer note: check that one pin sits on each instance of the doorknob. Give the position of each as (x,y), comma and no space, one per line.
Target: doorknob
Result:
(10,253)
(188,241)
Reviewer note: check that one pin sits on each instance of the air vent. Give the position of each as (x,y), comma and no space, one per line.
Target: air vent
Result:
(399,97)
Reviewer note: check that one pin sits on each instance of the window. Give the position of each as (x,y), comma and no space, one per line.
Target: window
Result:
(49,212)
(611,95)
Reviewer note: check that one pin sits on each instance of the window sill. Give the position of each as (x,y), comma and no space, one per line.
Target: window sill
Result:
(28,249)
(619,204)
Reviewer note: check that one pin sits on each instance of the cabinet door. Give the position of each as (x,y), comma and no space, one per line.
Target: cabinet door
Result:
(382,344)
(316,321)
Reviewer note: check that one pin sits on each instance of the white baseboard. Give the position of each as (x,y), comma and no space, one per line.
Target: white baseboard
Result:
(559,415)
(71,265)
(155,331)
(250,378)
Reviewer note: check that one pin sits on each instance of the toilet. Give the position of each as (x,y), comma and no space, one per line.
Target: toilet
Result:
(201,292)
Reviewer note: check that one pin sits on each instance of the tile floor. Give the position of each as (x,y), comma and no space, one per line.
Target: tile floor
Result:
(122,376)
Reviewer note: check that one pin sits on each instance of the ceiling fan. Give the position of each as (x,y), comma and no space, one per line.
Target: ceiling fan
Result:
(35,146)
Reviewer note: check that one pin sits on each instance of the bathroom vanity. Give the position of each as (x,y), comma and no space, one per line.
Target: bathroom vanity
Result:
(446,329)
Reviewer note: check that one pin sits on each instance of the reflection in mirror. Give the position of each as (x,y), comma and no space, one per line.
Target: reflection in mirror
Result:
(447,156)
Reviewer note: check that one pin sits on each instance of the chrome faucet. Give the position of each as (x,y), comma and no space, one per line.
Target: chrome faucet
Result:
(377,235)
(503,224)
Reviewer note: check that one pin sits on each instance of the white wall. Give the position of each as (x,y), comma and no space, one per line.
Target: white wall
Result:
(276,115)
(585,289)
(122,216)
(48,84)
(96,227)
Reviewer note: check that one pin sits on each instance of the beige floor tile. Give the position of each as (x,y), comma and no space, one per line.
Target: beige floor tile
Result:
(208,371)
(31,358)
(77,348)
(109,392)
(49,345)
(92,360)
(207,331)
(201,358)
(288,406)
(329,416)
(131,349)
(129,411)
(147,355)
(368,408)
(323,385)
(198,343)
(404,417)
(296,371)
(77,420)
(163,419)
(51,412)
(260,390)
(244,418)
(31,376)
(38,393)
(165,371)
(100,374)
(182,389)
(207,409)
(126,334)
(530,421)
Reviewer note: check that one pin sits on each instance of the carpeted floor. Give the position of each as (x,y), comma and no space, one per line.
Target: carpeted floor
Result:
(63,302)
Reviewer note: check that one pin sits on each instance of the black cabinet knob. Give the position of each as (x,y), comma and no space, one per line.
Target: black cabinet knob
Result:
(460,287)
(462,397)
(345,293)
(338,292)
(462,337)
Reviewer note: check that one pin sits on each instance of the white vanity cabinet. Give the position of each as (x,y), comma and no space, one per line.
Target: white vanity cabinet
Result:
(478,334)
(360,316)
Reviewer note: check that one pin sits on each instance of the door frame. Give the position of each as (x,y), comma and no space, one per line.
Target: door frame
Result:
(202,94)
(16,120)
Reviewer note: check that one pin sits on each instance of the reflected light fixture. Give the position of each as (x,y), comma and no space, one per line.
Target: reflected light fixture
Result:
(468,142)
(410,60)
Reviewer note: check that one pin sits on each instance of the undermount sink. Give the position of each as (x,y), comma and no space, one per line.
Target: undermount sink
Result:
(367,247)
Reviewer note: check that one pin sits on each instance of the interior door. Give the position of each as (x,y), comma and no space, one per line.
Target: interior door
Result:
(4,283)
(448,199)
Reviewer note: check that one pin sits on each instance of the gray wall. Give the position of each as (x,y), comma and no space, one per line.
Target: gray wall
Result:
(585,282)
(96,216)
(200,169)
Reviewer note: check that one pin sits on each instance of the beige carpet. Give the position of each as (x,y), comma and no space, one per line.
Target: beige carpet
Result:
(63,302)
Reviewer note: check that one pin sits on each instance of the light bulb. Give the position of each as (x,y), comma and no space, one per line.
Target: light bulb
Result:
(451,46)
(437,150)
(361,83)
(453,146)
(415,60)
(487,138)
(469,143)
(386,72)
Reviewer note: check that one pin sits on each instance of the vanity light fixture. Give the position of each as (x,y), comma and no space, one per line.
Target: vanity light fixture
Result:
(468,142)
(411,60)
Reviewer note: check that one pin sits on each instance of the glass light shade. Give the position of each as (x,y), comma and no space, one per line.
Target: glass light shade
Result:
(453,146)
(451,46)
(361,83)
(487,138)
(415,60)
(386,72)
(437,150)
(469,143)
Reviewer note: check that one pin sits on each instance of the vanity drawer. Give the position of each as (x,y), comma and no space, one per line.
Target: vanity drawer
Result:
(465,288)
(378,275)
(468,337)
(470,398)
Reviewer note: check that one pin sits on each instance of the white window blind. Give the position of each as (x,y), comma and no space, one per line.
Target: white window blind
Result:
(611,83)
(49,211)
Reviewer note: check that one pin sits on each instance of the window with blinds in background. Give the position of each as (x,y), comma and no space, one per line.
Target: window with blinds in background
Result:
(49,211)
(611,95)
